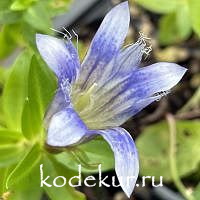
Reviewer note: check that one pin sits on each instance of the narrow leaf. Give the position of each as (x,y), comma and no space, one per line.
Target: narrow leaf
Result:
(7,137)
(194,6)
(54,169)
(35,13)
(10,154)
(41,88)
(14,93)
(158,6)
(25,166)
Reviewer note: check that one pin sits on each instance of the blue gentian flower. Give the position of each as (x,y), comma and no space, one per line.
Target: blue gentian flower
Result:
(99,95)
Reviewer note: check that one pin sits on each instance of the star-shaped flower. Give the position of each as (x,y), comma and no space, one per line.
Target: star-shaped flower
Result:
(99,95)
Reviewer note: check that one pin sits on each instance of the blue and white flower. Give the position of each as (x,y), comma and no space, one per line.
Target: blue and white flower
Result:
(99,95)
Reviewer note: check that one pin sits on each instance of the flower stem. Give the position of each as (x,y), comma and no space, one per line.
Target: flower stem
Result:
(172,158)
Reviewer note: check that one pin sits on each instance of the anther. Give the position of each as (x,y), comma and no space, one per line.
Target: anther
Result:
(162,94)
(57,31)
(76,35)
(69,36)
(144,41)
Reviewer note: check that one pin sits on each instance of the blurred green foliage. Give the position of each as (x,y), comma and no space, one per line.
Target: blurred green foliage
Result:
(153,146)
(179,18)
(21,19)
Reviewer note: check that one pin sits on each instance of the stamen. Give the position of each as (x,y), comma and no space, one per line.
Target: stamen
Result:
(82,158)
(143,36)
(145,42)
(161,94)
(128,45)
(85,99)
(76,35)
(147,51)
(67,35)
(57,31)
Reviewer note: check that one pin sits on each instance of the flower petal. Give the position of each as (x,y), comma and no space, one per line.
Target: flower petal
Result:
(125,63)
(66,128)
(129,58)
(142,87)
(60,56)
(58,104)
(126,157)
(155,78)
(105,44)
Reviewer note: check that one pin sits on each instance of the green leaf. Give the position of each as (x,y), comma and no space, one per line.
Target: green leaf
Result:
(4,72)
(28,34)
(10,154)
(176,26)
(21,4)
(38,13)
(194,7)
(5,4)
(7,43)
(8,137)
(25,166)
(159,6)
(28,187)
(153,148)
(94,153)
(53,169)
(9,37)
(15,91)
(58,7)
(41,89)
(3,172)
(30,193)
(9,17)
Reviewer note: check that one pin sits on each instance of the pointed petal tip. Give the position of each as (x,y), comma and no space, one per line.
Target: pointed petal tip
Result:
(124,6)
(128,194)
(182,69)
(178,70)
(167,74)
(128,190)
(121,9)
(106,44)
